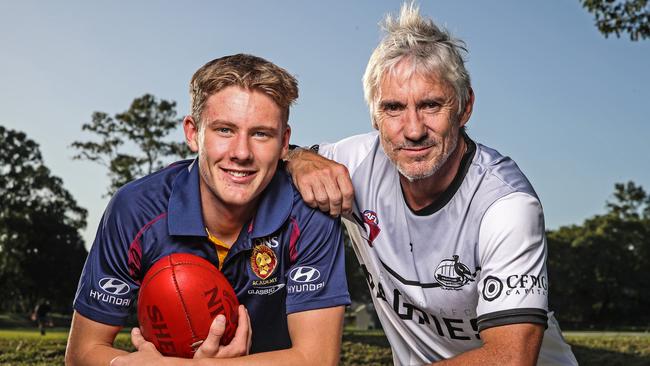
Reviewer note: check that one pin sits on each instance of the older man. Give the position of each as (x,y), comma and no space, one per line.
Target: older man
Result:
(449,233)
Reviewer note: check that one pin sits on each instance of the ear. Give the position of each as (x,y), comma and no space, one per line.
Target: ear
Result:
(468,109)
(285,142)
(191,133)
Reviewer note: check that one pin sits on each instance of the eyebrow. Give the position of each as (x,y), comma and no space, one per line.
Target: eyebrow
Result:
(219,122)
(226,123)
(386,103)
(423,102)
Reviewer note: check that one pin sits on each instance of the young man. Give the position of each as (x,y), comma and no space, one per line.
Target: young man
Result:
(232,205)
(449,233)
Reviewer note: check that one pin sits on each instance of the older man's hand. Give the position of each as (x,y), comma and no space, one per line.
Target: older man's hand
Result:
(323,183)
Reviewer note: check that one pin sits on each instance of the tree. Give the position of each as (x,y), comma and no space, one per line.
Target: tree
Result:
(621,16)
(142,126)
(41,250)
(598,270)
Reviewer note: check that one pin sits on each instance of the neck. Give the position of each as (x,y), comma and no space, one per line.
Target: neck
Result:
(423,192)
(222,220)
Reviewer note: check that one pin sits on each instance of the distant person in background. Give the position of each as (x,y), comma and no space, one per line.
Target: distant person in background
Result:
(41,315)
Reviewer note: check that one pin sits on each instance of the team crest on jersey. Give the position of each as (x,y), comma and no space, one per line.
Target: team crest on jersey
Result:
(370,218)
(263,261)
(453,274)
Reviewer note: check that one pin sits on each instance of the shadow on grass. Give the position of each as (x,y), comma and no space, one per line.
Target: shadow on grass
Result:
(597,357)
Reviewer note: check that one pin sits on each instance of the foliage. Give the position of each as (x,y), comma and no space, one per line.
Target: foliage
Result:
(598,270)
(621,16)
(144,125)
(41,250)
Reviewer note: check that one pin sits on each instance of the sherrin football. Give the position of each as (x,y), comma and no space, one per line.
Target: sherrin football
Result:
(180,296)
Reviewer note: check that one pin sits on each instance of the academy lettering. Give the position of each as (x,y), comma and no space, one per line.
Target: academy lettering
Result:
(109,298)
(265,282)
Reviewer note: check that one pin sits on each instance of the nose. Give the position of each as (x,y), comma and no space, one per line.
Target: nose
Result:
(414,128)
(240,150)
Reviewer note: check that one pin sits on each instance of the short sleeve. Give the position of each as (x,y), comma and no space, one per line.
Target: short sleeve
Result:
(106,290)
(317,276)
(350,151)
(513,286)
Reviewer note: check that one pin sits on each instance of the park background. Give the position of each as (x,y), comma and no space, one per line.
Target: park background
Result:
(568,104)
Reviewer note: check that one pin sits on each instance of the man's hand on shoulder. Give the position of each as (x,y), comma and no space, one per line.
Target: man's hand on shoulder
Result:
(323,183)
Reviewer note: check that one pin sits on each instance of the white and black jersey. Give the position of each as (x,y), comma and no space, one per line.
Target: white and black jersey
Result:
(474,259)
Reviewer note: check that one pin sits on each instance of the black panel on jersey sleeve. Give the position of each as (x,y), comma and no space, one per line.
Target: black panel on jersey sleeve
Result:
(513,316)
(446,196)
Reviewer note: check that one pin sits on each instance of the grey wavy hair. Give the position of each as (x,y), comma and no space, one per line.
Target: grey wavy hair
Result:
(430,49)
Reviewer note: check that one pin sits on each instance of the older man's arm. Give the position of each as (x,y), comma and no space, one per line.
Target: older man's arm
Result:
(514,344)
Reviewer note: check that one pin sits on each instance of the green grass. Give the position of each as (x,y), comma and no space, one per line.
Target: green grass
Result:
(28,347)
(612,350)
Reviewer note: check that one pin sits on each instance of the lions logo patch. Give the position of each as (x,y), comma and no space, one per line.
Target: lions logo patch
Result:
(263,261)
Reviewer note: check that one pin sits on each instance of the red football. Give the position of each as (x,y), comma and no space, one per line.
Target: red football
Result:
(180,296)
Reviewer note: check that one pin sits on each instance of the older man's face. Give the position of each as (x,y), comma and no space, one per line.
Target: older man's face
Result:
(418,122)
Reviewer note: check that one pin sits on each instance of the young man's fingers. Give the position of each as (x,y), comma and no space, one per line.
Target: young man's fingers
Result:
(210,346)
(136,338)
(240,343)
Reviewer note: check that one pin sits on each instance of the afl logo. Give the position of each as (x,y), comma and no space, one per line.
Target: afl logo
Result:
(452,274)
(114,286)
(304,274)
(370,218)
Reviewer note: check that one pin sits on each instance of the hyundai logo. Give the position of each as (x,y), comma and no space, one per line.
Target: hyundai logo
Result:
(114,286)
(304,274)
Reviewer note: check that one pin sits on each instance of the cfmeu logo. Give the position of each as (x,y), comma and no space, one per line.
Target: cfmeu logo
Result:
(114,286)
(304,274)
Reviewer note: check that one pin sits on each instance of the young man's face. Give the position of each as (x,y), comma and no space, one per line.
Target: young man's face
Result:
(418,121)
(240,141)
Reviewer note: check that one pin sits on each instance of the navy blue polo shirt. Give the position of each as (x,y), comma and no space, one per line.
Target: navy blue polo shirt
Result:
(288,258)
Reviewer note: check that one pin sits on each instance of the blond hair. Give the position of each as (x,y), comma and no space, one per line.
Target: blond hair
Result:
(248,72)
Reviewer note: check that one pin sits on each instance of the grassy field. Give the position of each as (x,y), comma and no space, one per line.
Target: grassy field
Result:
(27,347)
